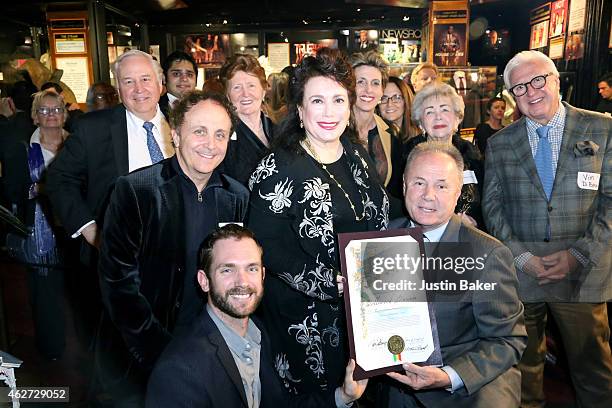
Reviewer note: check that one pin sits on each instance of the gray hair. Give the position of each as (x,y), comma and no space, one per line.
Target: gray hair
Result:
(133,53)
(438,90)
(371,59)
(526,57)
(437,147)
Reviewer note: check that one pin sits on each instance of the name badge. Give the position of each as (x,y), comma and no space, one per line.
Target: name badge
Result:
(469,177)
(223,224)
(588,181)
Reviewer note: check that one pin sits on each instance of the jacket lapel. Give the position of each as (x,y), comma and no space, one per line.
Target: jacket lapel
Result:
(224,355)
(385,139)
(520,143)
(119,137)
(575,126)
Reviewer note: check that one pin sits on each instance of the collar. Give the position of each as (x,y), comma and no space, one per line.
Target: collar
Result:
(435,234)
(213,181)
(157,119)
(230,336)
(556,121)
(171,99)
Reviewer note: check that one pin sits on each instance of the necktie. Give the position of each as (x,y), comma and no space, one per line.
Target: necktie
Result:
(543,160)
(462,85)
(154,150)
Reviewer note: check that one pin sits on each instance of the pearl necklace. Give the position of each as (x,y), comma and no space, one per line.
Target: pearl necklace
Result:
(308,147)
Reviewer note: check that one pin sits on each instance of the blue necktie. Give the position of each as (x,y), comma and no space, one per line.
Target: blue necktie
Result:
(543,160)
(154,150)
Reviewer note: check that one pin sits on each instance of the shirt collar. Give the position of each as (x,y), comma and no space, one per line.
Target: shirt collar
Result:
(556,122)
(231,337)
(157,119)
(434,235)
(171,99)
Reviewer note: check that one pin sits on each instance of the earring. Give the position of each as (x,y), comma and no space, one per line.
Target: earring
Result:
(301,124)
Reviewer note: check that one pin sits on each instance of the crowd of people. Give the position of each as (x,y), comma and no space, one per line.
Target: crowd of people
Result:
(208,227)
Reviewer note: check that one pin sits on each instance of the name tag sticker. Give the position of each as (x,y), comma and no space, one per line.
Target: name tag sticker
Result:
(223,224)
(588,181)
(469,177)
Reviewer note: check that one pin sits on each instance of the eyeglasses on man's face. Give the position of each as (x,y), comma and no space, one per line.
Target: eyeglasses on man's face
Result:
(45,111)
(397,98)
(537,82)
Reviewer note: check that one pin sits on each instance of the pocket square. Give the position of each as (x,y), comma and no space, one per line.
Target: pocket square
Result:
(586,148)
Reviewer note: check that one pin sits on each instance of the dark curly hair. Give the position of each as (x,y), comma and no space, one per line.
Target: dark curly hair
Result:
(330,63)
(186,103)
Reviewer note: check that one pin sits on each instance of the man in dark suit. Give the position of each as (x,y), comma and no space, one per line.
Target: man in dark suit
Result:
(548,196)
(156,218)
(225,360)
(181,74)
(481,331)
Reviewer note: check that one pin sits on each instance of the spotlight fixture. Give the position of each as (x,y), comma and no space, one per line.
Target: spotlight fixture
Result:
(224,21)
(406,18)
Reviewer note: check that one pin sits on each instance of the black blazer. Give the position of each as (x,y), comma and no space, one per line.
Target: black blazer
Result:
(198,370)
(164,106)
(142,263)
(81,177)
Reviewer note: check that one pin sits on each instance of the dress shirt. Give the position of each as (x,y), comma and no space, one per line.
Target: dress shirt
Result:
(246,352)
(171,100)
(138,152)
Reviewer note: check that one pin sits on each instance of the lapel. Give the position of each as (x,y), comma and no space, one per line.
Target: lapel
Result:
(119,137)
(574,127)
(522,150)
(451,233)
(224,355)
(385,138)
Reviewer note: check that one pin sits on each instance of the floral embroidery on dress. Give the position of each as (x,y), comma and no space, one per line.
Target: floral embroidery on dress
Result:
(363,162)
(357,175)
(318,219)
(308,334)
(312,282)
(280,197)
(333,334)
(384,212)
(265,168)
(318,193)
(281,365)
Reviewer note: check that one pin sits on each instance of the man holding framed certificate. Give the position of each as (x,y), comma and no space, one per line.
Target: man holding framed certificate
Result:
(480,319)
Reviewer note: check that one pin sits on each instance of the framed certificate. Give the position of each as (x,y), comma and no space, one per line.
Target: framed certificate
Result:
(389,318)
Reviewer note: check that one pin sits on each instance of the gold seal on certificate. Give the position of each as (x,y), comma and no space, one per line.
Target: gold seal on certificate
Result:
(395,344)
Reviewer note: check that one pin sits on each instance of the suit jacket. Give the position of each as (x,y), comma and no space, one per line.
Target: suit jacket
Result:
(518,213)
(82,176)
(483,336)
(142,264)
(164,105)
(198,370)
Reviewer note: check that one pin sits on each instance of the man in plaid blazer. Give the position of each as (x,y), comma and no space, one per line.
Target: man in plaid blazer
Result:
(548,197)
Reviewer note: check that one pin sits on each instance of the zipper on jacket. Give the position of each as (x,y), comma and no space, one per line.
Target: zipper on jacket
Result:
(199,196)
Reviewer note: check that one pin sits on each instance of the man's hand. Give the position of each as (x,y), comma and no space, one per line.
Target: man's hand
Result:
(92,235)
(534,267)
(419,378)
(351,390)
(558,265)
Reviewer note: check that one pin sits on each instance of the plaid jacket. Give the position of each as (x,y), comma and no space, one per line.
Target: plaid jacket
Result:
(578,216)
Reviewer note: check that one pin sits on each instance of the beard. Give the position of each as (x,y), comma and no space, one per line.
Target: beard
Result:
(223,301)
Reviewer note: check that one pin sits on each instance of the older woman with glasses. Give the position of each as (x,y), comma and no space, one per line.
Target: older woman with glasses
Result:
(396,106)
(379,139)
(26,180)
(439,110)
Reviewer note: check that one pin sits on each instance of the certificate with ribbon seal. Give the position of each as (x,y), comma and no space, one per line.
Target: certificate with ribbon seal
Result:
(389,318)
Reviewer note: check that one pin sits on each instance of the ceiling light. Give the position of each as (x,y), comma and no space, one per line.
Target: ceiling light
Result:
(358,9)
(224,21)
(286,39)
(406,18)
(305,22)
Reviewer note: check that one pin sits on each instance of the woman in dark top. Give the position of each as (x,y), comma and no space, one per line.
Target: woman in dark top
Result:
(439,110)
(495,109)
(316,183)
(245,85)
(376,135)
(26,176)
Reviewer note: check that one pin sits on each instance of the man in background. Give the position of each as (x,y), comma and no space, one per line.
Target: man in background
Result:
(604,87)
(181,73)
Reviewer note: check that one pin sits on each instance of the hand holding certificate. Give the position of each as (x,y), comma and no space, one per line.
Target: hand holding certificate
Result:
(389,319)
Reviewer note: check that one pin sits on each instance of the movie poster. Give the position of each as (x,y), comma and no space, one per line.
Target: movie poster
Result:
(449,44)
(558,15)
(366,40)
(208,48)
(574,48)
(539,35)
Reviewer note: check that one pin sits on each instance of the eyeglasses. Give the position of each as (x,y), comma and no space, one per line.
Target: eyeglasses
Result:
(537,82)
(45,111)
(397,98)
(108,95)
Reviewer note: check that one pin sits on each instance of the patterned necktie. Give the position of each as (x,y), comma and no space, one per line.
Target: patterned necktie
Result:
(154,150)
(543,160)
